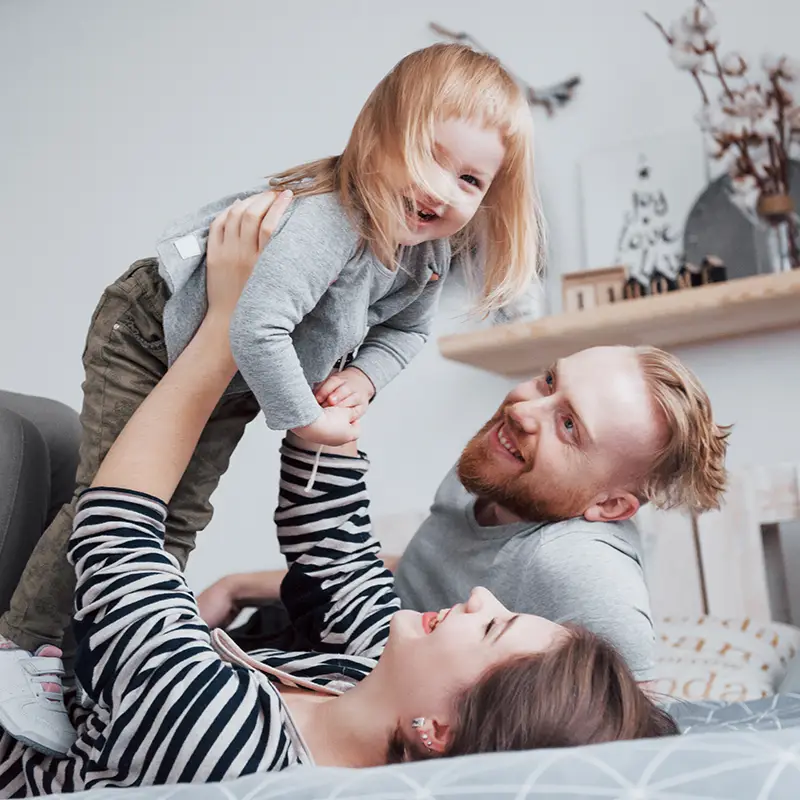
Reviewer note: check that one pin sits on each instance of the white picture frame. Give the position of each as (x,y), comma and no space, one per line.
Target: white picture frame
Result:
(635,199)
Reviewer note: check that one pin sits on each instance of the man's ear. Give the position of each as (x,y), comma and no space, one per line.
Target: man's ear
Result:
(612,507)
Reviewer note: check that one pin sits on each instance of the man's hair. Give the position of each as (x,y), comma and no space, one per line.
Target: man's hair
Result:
(689,470)
(580,692)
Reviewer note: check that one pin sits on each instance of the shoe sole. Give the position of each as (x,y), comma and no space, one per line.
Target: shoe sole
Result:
(47,751)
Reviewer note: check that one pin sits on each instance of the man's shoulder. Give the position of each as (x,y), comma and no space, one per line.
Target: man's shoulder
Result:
(579,530)
(578,547)
(592,573)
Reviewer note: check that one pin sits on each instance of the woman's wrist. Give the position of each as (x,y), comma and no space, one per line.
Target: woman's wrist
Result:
(214,338)
(297,441)
(349,449)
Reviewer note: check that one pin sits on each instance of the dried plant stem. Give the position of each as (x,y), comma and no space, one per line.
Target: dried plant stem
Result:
(458,37)
(741,146)
(712,48)
(783,154)
(741,103)
(467,38)
(670,41)
(706,101)
(750,167)
(549,98)
(660,27)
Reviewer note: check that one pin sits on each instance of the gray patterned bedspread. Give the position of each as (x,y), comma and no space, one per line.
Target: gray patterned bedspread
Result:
(739,751)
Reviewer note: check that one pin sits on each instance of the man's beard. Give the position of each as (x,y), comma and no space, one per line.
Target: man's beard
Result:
(477,477)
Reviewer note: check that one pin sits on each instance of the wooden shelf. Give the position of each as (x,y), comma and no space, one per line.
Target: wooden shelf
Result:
(689,316)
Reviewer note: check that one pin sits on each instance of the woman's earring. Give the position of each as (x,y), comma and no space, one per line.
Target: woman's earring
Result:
(417,723)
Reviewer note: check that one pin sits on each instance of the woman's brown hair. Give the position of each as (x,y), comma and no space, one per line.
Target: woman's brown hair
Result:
(581,692)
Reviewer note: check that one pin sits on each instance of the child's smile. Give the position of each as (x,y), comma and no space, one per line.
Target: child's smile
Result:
(472,155)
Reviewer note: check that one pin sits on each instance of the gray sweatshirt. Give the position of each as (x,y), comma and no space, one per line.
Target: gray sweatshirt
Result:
(590,573)
(315,295)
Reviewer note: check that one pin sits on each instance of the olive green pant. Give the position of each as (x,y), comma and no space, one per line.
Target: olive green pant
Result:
(124,358)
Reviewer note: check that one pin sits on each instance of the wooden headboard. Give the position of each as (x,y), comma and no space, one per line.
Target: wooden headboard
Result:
(729,562)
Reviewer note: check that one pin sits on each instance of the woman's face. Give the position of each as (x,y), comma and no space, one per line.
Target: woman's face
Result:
(431,657)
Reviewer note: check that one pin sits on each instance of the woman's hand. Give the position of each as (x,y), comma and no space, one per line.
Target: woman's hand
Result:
(154,449)
(235,240)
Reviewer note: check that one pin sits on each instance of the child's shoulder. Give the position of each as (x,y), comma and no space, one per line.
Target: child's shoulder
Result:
(327,205)
(322,214)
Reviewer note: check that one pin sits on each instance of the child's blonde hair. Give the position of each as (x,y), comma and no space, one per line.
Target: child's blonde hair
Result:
(394,134)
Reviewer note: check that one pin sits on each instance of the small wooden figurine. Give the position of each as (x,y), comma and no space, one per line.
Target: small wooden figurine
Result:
(661,283)
(596,287)
(712,270)
(685,274)
(634,289)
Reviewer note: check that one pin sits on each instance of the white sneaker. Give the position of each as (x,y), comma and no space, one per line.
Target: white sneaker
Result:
(32,698)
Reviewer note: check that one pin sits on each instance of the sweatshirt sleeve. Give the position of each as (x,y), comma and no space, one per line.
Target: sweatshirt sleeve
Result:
(146,660)
(303,258)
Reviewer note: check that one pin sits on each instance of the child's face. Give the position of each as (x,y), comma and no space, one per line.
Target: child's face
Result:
(473,154)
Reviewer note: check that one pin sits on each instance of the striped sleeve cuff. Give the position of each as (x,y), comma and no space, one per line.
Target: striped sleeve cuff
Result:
(120,502)
(329,463)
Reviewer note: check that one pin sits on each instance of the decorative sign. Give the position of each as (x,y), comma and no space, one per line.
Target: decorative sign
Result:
(636,198)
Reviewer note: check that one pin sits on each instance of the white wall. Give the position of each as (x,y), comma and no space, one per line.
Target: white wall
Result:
(117,117)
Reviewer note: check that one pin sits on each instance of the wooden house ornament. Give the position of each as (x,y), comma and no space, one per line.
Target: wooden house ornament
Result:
(661,283)
(634,289)
(712,270)
(685,275)
(596,287)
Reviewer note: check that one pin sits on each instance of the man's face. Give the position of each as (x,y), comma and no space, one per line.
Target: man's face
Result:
(571,442)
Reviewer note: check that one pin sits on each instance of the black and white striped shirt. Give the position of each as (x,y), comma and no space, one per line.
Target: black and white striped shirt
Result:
(164,705)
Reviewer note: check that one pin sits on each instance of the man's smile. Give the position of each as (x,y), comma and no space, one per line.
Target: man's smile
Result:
(504,440)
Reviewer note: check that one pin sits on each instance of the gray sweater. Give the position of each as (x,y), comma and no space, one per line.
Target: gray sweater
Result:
(315,295)
(590,573)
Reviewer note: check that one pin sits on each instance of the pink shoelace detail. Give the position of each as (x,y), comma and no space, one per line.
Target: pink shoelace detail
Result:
(45,651)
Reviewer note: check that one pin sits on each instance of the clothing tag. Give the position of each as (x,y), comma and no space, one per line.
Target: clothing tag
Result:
(188,246)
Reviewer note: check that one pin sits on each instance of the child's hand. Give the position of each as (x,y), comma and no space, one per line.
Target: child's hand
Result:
(235,240)
(336,426)
(350,388)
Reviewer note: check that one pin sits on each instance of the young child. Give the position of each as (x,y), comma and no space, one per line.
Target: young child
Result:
(438,169)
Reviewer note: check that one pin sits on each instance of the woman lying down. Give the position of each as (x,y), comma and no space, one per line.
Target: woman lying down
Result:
(169,702)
